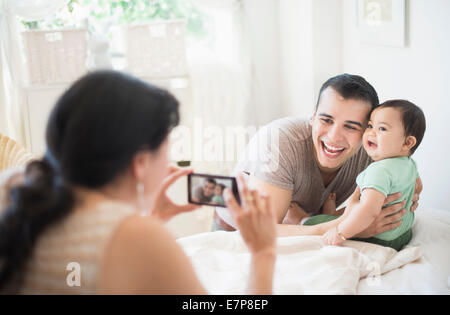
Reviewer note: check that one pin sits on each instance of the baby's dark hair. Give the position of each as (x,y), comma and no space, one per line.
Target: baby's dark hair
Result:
(222,186)
(412,117)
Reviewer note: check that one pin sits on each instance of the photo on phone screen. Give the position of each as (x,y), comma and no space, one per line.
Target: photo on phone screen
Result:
(206,189)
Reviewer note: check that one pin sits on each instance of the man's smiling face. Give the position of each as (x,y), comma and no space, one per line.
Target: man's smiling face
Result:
(337,128)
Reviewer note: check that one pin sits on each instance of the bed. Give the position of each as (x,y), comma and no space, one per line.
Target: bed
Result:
(305,266)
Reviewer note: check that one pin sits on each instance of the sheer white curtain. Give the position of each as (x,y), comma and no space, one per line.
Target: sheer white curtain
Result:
(255,66)
(220,85)
(262,49)
(11,65)
(31,10)
(238,84)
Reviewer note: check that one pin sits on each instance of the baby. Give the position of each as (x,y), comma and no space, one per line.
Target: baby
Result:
(218,192)
(394,132)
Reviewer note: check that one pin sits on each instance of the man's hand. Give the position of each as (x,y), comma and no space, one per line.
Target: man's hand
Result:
(389,219)
(417,190)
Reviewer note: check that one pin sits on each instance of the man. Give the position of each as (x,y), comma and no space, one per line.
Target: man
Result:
(205,193)
(305,161)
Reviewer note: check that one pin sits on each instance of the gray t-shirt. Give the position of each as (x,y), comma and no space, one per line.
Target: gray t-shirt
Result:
(281,154)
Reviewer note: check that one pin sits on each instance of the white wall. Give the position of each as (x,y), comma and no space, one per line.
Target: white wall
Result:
(261,38)
(419,72)
(311,51)
(296,48)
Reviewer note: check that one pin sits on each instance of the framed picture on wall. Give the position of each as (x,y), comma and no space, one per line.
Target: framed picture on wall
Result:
(381,22)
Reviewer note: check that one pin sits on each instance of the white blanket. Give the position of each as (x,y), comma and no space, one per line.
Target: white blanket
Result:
(305,266)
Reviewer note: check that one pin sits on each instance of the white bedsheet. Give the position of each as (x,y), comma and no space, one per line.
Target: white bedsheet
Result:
(430,274)
(305,266)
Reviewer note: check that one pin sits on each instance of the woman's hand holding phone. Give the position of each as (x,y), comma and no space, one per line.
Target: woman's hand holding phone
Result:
(257,224)
(164,208)
(254,217)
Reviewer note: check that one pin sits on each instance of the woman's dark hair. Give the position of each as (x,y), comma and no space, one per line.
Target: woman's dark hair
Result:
(413,119)
(93,132)
(351,86)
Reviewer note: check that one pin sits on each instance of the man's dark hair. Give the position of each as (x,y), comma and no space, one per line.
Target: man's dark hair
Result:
(210,180)
(413,119)
(351,86)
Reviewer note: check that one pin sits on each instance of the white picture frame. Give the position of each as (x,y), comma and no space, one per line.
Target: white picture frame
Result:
(381,22)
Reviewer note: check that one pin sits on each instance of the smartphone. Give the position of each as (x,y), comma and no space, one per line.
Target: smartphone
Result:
(207,189)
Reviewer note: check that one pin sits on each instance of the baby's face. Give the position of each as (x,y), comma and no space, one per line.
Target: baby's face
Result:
(218,190)
(385,137)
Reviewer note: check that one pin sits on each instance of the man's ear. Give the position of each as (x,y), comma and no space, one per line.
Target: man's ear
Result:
(410,142)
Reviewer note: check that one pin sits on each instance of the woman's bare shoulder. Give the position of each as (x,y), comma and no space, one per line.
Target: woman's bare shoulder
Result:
(143,257)
(134,254)
(141,236)
(137,225)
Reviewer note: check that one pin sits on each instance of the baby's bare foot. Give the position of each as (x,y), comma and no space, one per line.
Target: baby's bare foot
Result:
(329,206)
(295,214)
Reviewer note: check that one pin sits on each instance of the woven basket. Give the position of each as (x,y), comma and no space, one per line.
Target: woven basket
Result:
(157,50)
(12,154)
(55,56)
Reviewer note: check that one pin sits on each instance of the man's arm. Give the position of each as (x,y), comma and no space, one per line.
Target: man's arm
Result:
(280,199)
(197,195)
(195,199)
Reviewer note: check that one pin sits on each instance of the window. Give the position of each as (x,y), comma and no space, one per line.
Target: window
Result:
(212,28)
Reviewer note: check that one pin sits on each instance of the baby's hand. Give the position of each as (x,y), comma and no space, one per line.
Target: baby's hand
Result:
(331,237)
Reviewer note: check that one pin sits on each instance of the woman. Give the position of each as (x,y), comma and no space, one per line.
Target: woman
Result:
(85,205)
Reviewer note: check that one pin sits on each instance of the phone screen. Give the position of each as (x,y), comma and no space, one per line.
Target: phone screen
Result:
(207,189)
